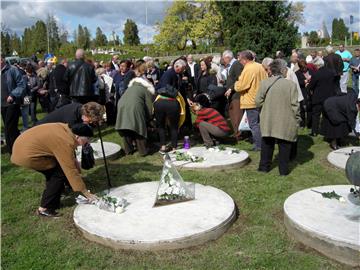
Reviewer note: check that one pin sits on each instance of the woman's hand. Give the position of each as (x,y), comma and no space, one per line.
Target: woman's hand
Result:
(91,197)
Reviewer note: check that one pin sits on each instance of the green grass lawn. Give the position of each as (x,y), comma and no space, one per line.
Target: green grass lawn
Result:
(257,239)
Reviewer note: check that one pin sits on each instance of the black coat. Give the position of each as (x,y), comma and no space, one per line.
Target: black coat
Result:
(322,85)
(335,63)
(203,81)
(170,77)
(81,77)
(70,114)
(234,74)
(342,109)
(57,84)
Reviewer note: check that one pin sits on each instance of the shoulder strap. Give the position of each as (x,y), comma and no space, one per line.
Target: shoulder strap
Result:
(271,85)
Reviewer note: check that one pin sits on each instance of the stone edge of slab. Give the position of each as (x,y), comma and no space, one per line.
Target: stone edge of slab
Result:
(340,251)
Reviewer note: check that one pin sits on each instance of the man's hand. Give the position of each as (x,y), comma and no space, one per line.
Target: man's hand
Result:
(78,166)
(9,99)
(190,102)
(228,93)
(91,197)
(43,92)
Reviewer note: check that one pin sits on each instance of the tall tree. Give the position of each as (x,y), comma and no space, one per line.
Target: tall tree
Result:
(39,37)
(53,31)
(339,29)
(313,38)
(131,33)
(81,39)
(5,43)
(87,38)
(263,27)
(15,43)
(198,22)
(100,38)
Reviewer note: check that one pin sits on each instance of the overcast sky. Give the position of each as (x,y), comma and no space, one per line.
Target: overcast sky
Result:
(111,15)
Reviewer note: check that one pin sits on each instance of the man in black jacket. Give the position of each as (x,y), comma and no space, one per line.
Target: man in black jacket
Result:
(234,69)
(76,113)
(13,88)
(58,87)
(334,62)
(81,77)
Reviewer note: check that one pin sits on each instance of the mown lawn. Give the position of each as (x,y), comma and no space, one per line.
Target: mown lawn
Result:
(257,239)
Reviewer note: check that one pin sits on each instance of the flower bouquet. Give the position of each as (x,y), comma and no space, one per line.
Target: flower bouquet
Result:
(223,148)
(172,188)
(187,156)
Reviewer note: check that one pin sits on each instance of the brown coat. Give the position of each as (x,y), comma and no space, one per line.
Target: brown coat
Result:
(42,147)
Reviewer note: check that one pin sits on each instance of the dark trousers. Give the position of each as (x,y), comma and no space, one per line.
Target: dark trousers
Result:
(315,118)
(235,114)
(55,183)
(130,137)
(267,151)
(10,115)
(167,111)
(208,130)
(254,124)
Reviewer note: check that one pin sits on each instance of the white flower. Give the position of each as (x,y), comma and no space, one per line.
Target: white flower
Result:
(168,190)
(189,153)
(211,149)
(172,182)
(217,150)
(119,210)
(229,152)
(176,190)
(342,199)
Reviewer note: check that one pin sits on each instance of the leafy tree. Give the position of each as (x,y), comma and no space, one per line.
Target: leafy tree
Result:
(198,22)
(83,37)
(263,27)
(5,43)
(131,32)
(100,38)
(39,38)
(297,13)
(313,38)
(339,29)
(53,31)
(15,43)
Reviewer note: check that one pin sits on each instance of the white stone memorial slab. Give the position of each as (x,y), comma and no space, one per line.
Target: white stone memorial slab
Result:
(144,227)
(112,151)
(339,157)
(328,225)
(213,159)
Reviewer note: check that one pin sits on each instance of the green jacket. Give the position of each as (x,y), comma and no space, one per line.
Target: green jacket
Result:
(135,107)
(280,109)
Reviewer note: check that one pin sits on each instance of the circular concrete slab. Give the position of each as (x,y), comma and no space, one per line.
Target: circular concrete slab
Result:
(213,159)
(338,158)
(112,151)
(327,225)
(144,227)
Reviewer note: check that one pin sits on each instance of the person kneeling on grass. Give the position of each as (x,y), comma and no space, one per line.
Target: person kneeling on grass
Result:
(210,122)
(50,149)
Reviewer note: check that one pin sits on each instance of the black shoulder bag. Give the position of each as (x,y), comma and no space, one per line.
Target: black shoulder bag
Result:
(87,157)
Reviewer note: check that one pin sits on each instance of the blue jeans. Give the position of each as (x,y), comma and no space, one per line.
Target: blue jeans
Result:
(254,123)
(25,116)
(355,83)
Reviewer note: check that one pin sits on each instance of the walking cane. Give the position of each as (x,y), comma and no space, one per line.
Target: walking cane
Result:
(105,162)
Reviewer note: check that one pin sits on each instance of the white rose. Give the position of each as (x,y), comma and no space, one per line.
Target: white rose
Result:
(176,190)
(168,190)
(211,149)
(342,199)
(119,210)
(229,152)
(172,182)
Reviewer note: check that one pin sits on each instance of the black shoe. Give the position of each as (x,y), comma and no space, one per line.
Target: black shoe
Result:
(48,213)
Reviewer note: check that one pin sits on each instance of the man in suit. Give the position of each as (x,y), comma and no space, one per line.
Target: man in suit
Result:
(192,69)
(234,69)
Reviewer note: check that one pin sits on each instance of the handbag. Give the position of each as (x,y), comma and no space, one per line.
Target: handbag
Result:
(87,157)
(244,123)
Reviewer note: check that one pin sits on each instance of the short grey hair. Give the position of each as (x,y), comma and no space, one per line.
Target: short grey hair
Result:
(319,62)
(180,63)
(228,53)
(278,67)
(267,61)
(329,49)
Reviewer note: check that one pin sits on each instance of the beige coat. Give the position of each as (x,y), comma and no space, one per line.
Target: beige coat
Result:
(42,147)
(280,109)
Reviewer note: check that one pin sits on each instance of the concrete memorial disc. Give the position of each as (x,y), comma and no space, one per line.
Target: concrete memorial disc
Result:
(144,227)
(112,151)
(213,158)
(339,157)
(328,225)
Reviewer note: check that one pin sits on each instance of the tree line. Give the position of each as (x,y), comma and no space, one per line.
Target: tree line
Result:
(47,36)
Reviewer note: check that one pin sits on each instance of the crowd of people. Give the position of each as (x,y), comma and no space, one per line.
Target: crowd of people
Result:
(148,104)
